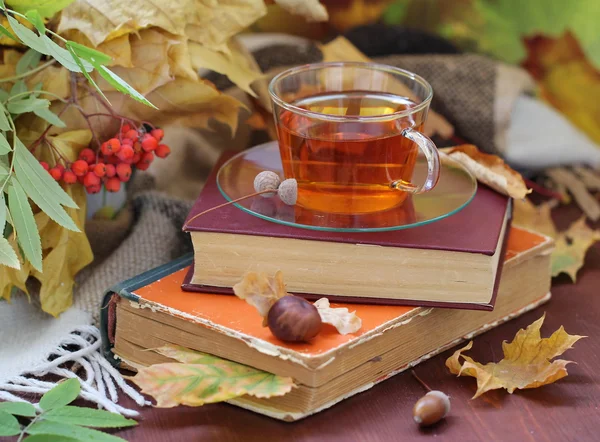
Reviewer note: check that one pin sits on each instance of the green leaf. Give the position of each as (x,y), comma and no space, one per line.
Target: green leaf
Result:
(63,394)
(46,8)
(88,417)
(3,95)
(28,236)
(31,168)
(50,117)
(86,75)
(29,60)
(18,88)
(72,431)
(8,257)
(27,105)
(36,19)
(7,33)
(4,125)
(4,146)
(18,408)
(50,438)
(63,56)
(27,36)
(2,215)
(205,379)
(121,85)
(89,54)
(9,425)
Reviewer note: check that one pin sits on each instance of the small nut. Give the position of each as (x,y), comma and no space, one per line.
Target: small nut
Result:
(288,191)
(267,180)
(294,319)
(431,408)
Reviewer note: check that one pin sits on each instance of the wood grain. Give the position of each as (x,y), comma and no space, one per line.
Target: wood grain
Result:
(568,410)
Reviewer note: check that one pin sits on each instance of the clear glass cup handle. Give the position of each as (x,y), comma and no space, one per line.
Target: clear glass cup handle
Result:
(433,163)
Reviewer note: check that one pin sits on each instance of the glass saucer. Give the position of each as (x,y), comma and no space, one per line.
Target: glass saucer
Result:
(455,189)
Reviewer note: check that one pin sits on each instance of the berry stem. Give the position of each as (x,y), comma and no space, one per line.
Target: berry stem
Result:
(420,380)
(226,204)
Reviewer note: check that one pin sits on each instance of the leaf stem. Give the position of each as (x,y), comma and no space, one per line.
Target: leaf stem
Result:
(28,73)
(420,380)
(24,432)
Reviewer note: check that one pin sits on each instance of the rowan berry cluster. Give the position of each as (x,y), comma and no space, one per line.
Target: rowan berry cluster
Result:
(113,163)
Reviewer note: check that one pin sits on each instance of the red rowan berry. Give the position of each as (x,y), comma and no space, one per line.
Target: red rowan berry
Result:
(93,189)
(125,128)
(87,155)
(105,149)
(137,147)
(162,151)
(69,177)
(113,184)
(126,153)
(60,167)
(149,143)
(111,171)
(127,141)
(114,145)
(136,158)
(124,171)
(158,134)
(79,167)
(146,160)
(131,134)
(91,179)
(44,165)
(100,169)
(56,173)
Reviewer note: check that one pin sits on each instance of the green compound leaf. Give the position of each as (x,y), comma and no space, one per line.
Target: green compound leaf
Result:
(27,105)
(209,379)
(9,425)
(71,431)
(63,394)
(88,417)
(121,85)
(50,438)
(50,117)
(28,236)
(36,19)
(4,146)
(29,60)
(18,408)
(45,8)
(8,257)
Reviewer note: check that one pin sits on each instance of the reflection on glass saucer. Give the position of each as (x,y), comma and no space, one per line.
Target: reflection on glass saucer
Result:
(455,189)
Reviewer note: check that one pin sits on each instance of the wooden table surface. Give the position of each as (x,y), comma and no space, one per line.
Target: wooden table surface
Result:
(568,410)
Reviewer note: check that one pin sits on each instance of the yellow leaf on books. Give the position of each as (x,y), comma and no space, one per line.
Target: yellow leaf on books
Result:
(199,379)
(571,248)
(260,291)
(343,320)
(526,362)
(489,169)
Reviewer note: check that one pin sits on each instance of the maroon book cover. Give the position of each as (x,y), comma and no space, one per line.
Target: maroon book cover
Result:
(474,229)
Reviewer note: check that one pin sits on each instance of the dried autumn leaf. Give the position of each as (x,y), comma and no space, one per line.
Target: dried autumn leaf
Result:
(353,13)
(571,248)
(261,291)
(489,169)
(344,321)
(209,23)
(526,362)
(536,218)
(205,379)
(233,64)
(311,10)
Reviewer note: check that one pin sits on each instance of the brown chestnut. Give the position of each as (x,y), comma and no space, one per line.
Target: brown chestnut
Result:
(294,319)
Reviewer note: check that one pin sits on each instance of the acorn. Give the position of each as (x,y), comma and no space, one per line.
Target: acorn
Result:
(293,319)
(431,408)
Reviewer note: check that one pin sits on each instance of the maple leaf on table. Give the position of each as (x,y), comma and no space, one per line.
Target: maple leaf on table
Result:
(526,364)
(571,248)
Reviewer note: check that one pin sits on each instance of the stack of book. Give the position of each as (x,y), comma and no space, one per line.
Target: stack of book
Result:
(418,292)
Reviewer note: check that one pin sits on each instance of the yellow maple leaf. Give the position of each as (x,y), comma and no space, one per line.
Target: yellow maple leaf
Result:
(526,364)
(571,248)
(209,23)
(536,218)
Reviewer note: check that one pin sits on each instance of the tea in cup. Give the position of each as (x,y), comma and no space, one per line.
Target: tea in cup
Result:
(350,134)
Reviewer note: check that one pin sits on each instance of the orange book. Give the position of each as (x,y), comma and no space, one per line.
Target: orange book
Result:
(151,310)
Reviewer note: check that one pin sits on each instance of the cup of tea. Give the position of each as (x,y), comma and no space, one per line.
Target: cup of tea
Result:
(350,134)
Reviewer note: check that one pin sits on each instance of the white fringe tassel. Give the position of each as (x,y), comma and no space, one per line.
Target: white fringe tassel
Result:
(99,380)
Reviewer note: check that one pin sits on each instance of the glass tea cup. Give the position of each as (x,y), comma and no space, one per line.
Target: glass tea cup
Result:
(350,134)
